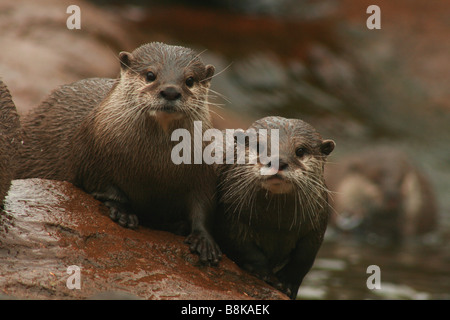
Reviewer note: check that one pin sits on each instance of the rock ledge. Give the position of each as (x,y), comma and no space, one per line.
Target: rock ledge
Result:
(48,226)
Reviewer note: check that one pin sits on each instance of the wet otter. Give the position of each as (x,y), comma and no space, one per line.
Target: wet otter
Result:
(273,225)
(10,138)
(381,196)
(112,138)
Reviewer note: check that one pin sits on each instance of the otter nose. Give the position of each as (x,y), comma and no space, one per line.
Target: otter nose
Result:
(282,165)
(170,93)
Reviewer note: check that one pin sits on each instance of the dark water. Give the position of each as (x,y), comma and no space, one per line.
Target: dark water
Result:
(411,272)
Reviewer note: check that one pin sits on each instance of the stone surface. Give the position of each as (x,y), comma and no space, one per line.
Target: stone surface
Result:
(48,226)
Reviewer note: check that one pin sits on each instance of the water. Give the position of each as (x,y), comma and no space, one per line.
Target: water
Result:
(412,272)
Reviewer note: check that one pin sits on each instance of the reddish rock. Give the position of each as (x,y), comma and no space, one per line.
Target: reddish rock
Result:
(48,226)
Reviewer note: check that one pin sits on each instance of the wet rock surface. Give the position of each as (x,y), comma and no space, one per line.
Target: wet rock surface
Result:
(48,226)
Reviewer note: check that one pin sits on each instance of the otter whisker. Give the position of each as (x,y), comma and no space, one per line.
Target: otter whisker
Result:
(196,57)
(215,75)
(220,95)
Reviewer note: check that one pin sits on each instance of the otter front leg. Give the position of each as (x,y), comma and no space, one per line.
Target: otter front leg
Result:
(302,259)
(200,240)
(252,259)
(118,205)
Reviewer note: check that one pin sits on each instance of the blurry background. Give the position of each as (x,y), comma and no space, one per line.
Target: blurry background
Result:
(314,60)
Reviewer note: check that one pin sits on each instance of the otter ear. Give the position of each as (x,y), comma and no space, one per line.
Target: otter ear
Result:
(209,72)
(125,59)
(327,146)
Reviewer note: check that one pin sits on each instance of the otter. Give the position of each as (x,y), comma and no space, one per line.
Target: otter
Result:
(273,225)
(381,196)
(112,138)
(10,138)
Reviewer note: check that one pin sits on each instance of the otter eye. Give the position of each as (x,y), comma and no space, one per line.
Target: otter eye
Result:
(190,82)
(150,76)
(300,152)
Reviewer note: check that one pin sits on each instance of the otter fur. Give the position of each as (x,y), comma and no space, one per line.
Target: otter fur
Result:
(273,225)
(112,138)
(10,139)
(380,195)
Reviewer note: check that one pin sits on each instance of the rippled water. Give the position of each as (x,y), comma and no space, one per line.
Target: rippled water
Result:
(406,272)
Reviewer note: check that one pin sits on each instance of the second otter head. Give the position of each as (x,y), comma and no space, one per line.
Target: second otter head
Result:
(290,158)
(301,154)
(167,81)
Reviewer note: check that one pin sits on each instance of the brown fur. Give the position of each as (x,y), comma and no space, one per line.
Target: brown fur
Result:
(10,139)
(112,137)
(274,227)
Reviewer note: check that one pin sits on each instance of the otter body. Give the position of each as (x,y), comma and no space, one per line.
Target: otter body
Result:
(112,138)
(382,196)
(273,225)
(10,138)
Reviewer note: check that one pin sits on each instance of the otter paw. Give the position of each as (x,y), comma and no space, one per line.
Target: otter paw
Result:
(272,280)
(287,289)
(120,215)
(291,290)
(207,249)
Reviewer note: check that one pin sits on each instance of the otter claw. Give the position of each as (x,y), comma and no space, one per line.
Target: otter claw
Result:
(128,221)
(205,247)
(272,280)
(123,218)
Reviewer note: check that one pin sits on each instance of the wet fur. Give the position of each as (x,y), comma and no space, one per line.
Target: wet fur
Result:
(10,139)
(105,137)
(276,236)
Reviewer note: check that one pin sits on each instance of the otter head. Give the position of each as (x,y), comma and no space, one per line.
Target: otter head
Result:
(299,157)
(358,198)
(166,82)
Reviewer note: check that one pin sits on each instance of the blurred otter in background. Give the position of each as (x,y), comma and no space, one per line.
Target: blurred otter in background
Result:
(381,195)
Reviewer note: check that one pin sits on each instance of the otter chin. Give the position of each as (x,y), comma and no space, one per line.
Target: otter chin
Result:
(272,215)
(277,184)
(166,116)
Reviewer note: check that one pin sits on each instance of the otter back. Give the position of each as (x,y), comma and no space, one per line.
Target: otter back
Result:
(382,196)
(10,139)
(50,127)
